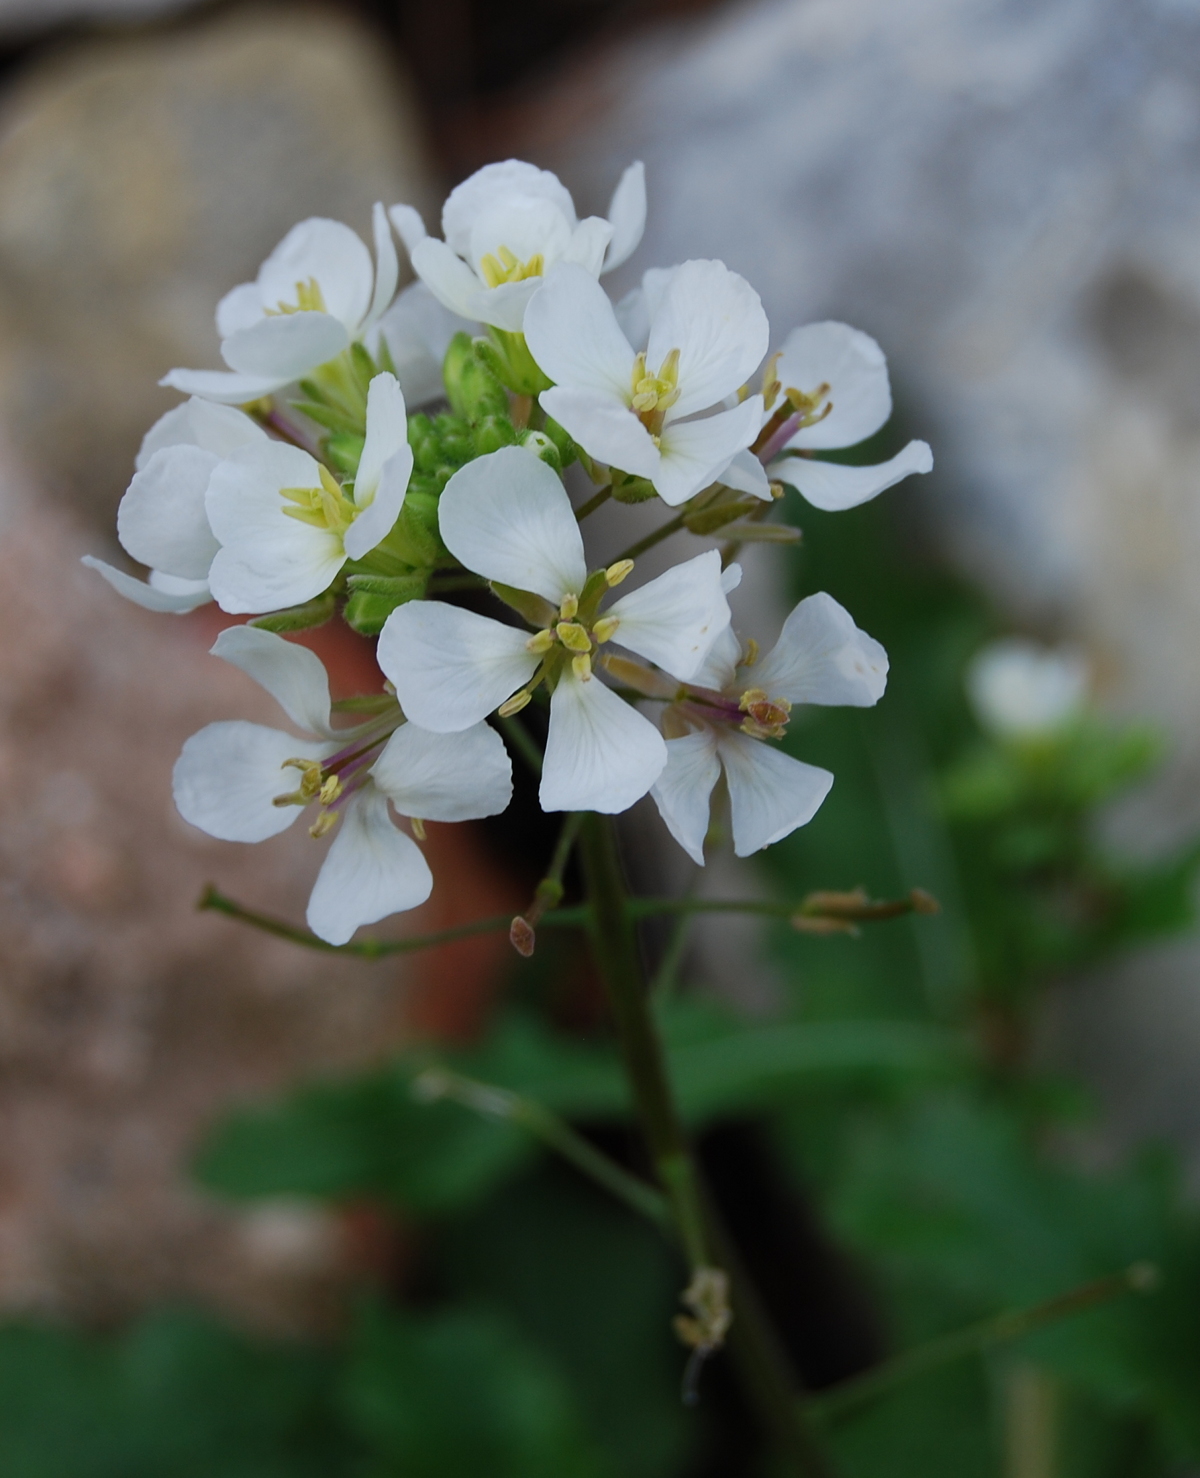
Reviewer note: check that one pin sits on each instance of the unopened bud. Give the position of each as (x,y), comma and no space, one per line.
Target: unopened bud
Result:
(543,448)
(522,937)
(619,571)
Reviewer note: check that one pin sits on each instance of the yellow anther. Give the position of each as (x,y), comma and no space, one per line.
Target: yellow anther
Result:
(651,396)
(807,403)
(312,777)
(750,656)
(309,299)
(770,381)
(766,717)
(541,641)
(569,608)
(330,791)
(618,572)
(491,270)
(418,827)
(324,507)
(293,798)
(606,628)
(573,636)
(324,823)
(582,668)
(514,704)
(506,266)
(508,258)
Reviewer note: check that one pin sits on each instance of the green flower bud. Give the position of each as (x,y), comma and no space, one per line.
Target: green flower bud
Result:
(541,445)
(567,449)
(422,437)
(492,433)
(299,618)
(373,598)
(460,354)
(626,489)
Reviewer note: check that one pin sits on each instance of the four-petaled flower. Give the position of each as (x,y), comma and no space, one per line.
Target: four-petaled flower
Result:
(720,719)
(315,295)
(641,412)
(286,526)
(507,517)
(830,390)
(243,782)
(506,226)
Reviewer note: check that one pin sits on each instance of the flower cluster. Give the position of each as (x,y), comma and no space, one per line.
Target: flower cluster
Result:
(301,483)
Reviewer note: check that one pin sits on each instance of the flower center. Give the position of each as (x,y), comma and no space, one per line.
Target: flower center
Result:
(766,717)
(331,782)
(309,299)
(325,507)
(652,396)
(507,267)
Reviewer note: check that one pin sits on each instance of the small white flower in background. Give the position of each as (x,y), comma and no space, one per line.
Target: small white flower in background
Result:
(507,517)
(834,381)
(506,226)
(162,520)
(721,718)
(417,330)
(315,295)
(1021,690)
(641,412)
(284,524)
(243,782)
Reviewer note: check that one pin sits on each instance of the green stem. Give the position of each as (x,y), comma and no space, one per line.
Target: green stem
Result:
(597,500)
(770,1384)
(667,973)
(518,736)
(1015,1324)
(500,1103)
(440,584)
(549,891)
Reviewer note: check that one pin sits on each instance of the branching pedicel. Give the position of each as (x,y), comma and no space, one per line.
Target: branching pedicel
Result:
(299,484)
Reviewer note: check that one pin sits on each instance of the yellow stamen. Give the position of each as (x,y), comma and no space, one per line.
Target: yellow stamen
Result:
(770,381)
(750,656)
(506,266)
(569,607)
(766,717)
(324,823)
(541,641)
(616,573)
(651,396)
(330,791)
(309,299)
(582,668)
(605,629)
(418,827)
(514,704)
(573,636)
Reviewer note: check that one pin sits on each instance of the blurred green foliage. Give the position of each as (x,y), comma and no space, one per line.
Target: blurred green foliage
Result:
(894,1089)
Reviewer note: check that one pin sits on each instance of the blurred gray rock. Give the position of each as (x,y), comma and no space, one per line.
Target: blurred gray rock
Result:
(142,177)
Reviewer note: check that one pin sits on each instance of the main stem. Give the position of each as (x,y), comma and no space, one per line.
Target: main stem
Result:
(762,1365)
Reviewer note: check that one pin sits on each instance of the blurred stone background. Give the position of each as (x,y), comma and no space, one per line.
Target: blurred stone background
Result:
(1007,196)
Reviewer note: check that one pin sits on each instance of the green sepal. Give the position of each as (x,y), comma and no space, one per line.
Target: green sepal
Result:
(373,598)
(472,386)
(299,618)
(362,365)
(535,608)
(626,489)
(383,356)
(709,520)
(344,450)
(492,433)
(422,437)
(567,450)
(543,448)
(326,415)
(460,352)
(455,439)
(507,356)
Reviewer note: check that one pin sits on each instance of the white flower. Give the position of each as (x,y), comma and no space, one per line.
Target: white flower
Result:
(507,225)
(314,296)
(835,383)
(735,703)
(1020,690)
(417,330)
(639,412)
(162,520)
(244,782)
(284,524)
(507,517)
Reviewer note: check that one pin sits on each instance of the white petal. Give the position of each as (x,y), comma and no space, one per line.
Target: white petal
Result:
(286,347)
(746,474)
(329,254)
(851,363)
(409,225)
(572,333)
(241,307)
(162,521)
(372,870)
(175,585)
(446,276)
(770,793)
(418,329)
(731,577)
(684,789)
(674,620)
(695,453)
(588,243)
(834,487)
(378,519)
(387,267)
(719,667)
(524,225)
(445,777)
(504,306)
(507,516)
(228,774)
(604,427)
(601,754)
(216,428)
(223,386)
(267,561)
(148,596)
(822,657)
(387,433)
(716,321)
(633,317)
(496,184)
(1018,688)
(294,676)
(450,667)
(627,215)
